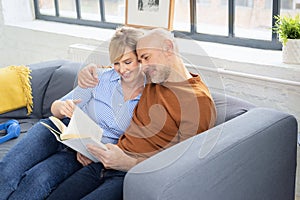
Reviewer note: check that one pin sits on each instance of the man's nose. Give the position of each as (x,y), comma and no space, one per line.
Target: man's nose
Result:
(143,61)
(144,66)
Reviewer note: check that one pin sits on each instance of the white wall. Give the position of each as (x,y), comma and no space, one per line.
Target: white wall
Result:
(17,10)
(1,14)
(1,27)
(24,41)
(25,46)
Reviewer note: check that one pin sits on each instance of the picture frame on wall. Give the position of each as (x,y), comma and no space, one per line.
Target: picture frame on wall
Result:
(149,13)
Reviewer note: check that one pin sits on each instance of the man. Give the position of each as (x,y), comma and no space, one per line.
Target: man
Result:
(174,107)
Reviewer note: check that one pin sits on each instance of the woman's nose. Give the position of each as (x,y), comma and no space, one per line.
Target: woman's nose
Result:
(123,68)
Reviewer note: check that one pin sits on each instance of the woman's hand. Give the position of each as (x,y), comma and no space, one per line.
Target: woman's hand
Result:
(88,77)
(62,109)
(113,158)
(83,160)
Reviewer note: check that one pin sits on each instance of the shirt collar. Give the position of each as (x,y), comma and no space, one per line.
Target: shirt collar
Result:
(115,77)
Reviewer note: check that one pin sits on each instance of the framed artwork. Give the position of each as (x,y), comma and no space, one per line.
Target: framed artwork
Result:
(150,13)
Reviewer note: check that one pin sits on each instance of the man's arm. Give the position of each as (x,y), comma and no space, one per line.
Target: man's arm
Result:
(114,157)
(88,77)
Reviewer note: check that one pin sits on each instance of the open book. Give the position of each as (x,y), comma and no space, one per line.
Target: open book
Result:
(82,130)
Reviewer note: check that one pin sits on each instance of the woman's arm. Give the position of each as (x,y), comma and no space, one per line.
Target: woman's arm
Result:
(65,106)
(61,109)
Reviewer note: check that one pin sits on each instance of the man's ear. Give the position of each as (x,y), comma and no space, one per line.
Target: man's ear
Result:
(168,47)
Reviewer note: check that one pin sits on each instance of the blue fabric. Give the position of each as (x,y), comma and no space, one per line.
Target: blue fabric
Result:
(105,105)
(35,165)
(87,181)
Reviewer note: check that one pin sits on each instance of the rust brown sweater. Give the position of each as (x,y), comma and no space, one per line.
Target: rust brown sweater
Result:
(167,114)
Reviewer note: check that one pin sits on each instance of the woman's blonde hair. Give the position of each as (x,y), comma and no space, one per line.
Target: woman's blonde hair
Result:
(123,37)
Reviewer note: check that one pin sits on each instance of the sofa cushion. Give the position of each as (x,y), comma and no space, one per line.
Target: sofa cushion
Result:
(41,74)
(229,107)
(63,80)
(15,88)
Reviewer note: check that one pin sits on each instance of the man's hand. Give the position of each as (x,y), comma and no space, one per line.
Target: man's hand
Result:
(88,77)
(83,160)
(113,158)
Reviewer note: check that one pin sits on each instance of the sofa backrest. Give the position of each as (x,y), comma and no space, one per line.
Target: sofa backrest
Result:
(229,107)
(62,81)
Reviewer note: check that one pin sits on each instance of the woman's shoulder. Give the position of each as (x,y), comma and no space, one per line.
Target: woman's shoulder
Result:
(108,74)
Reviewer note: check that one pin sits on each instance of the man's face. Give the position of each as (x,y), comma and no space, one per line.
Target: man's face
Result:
(154,62)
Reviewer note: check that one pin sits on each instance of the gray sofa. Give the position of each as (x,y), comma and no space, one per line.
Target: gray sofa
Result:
(249,154)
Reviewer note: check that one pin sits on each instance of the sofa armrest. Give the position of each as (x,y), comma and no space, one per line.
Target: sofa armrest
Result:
(252,156)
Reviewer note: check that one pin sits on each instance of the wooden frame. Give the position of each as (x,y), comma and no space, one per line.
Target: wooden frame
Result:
(149,13)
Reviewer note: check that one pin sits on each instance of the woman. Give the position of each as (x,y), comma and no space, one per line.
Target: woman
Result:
(38,163)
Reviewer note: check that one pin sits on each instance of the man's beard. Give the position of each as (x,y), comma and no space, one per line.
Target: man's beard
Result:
(161,74)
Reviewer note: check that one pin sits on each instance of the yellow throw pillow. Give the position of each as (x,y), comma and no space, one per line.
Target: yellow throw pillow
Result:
(15,89)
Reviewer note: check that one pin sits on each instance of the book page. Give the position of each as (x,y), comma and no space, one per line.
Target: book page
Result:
(82,126)
(79,145)
(59,124)
(55,132)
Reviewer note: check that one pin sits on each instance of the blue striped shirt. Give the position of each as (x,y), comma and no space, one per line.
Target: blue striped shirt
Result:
(105,105)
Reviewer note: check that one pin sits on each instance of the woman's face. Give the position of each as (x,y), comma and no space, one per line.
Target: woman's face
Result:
(128,66)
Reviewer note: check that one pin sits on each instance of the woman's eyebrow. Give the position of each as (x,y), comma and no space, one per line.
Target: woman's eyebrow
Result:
(127,59)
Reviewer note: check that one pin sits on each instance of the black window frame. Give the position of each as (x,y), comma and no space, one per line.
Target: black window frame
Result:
(230,39)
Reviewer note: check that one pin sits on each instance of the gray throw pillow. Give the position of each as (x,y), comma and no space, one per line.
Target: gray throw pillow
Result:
(63,80)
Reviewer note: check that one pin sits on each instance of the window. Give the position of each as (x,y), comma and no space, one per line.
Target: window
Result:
(237,22)
(253,20)
(98,13)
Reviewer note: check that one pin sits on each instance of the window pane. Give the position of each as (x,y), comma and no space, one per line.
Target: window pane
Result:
(47,7)
(287,4)
(90,10)
(212,17)
(115,11)
(290,7)
(67,8)
(253,19)
(181,20)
